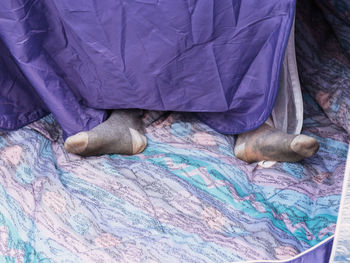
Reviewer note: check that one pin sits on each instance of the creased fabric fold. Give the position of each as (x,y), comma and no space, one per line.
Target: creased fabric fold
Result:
(77,59)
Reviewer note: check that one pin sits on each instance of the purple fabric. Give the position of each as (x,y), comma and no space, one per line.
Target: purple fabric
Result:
(78,58)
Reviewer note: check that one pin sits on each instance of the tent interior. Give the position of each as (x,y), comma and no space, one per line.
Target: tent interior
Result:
(186,198)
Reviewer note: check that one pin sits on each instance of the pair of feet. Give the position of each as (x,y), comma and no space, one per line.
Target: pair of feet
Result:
(123,133)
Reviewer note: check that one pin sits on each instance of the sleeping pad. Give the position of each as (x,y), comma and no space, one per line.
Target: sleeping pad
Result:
(77,59)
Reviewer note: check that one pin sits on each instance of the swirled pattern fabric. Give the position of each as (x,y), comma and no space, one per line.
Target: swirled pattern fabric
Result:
(341,248)
(186,198)
(323,49)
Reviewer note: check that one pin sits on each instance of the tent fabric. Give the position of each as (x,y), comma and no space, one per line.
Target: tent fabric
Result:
(287,114)
(76,59)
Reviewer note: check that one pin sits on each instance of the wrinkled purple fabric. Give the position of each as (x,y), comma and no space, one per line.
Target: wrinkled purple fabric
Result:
(78,58)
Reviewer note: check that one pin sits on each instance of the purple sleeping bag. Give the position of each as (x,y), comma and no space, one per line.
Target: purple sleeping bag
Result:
(76,59)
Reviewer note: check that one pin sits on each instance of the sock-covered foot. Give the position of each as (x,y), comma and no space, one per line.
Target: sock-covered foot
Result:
(121,133)
(269,144)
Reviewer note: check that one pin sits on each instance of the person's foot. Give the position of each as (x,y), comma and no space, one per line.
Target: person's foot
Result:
(269,144)
(121,133)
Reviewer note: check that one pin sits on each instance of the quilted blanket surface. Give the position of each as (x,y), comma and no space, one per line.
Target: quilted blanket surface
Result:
(186,198)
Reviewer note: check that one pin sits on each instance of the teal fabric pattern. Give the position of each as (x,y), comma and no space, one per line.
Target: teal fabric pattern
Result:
(186,198)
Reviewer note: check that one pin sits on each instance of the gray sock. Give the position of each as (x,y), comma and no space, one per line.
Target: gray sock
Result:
(121,133)
(269,144)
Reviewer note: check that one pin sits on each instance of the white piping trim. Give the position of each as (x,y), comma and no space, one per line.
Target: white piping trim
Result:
(289,87)
(342,201)
(294,76)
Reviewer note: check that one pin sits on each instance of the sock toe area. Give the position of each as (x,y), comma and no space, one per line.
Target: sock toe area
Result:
(239,151)
(304,145)
(77,143)
(139,141)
